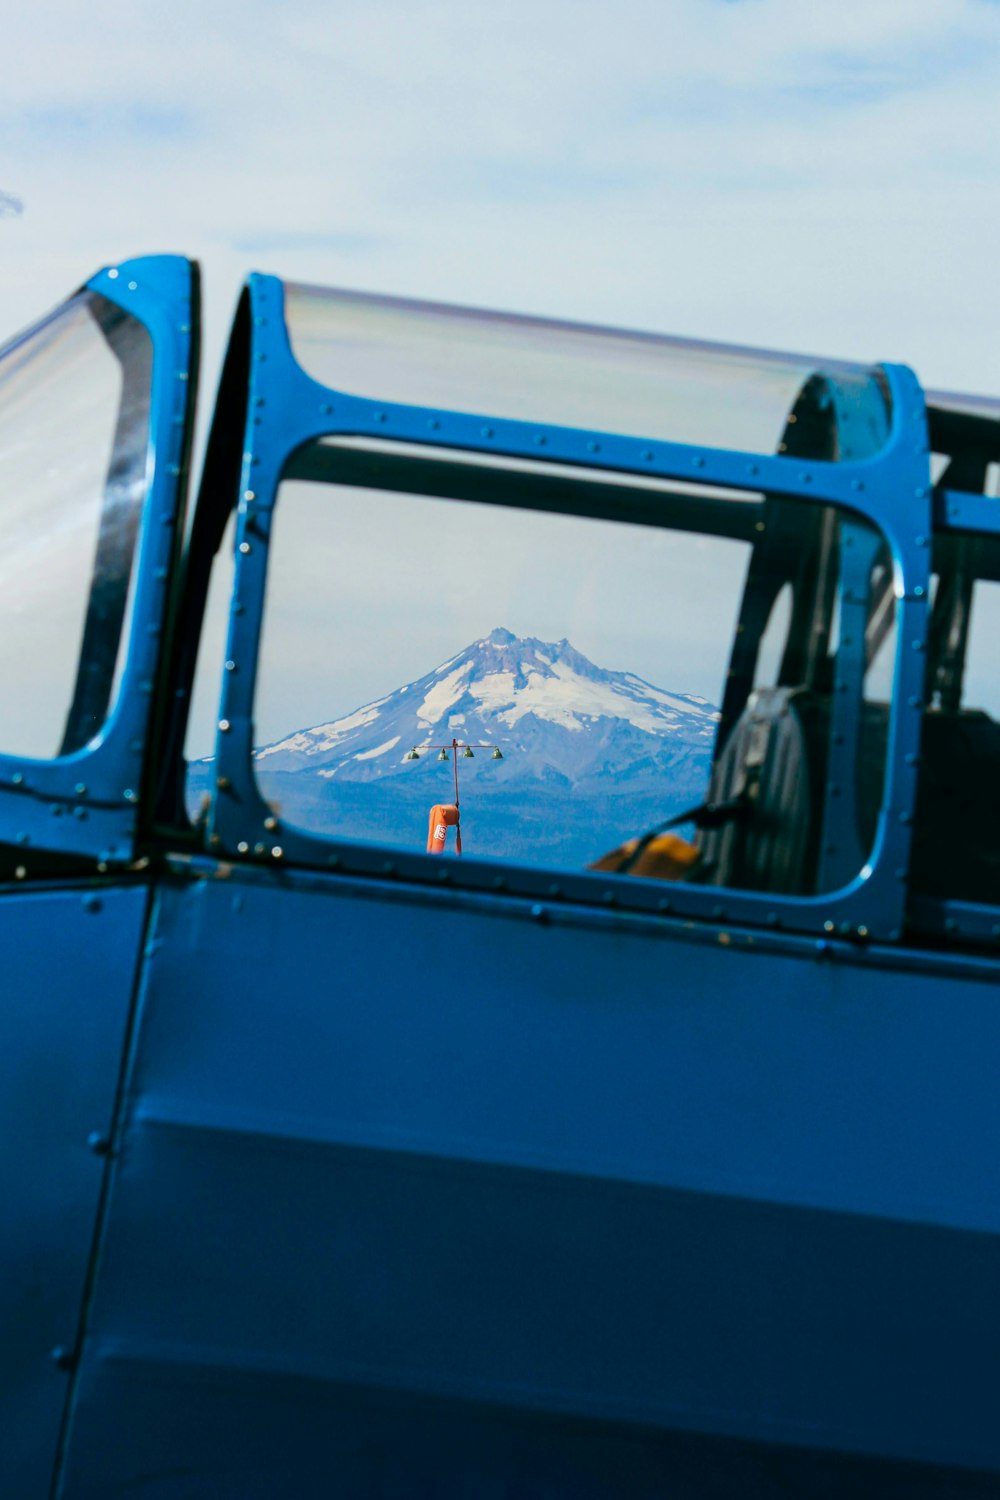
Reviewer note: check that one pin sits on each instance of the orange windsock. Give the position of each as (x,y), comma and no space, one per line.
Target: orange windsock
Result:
(444,815)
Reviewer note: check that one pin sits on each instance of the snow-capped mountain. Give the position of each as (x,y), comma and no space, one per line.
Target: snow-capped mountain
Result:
(590,756)
(556,716)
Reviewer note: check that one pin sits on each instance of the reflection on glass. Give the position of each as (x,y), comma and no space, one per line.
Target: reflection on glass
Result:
(74,422)
(643,385)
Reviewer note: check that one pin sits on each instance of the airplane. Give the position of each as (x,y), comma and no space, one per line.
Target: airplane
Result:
(647,1147)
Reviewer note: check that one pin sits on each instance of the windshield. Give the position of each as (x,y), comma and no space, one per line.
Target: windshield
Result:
(74,423)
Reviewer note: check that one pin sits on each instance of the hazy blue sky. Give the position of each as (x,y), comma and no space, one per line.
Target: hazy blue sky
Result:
(801,175)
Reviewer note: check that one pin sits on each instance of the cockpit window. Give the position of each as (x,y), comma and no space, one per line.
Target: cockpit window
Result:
(644,385)
(74,424)
(540,662)
(956,853)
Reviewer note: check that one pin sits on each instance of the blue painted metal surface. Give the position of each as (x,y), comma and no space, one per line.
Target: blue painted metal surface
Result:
(590,1190)
(101,783)
(70,962)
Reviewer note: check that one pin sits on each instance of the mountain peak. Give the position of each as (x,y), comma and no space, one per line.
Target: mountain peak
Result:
(543,700)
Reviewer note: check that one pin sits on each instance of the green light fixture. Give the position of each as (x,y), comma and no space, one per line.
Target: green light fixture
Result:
(497,753)
(443,754)
(413,754)
(467,753)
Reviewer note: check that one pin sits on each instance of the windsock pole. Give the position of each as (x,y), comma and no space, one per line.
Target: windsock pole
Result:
(445,815)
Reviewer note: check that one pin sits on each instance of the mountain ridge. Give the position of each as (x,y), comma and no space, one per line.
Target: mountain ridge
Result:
(555,714)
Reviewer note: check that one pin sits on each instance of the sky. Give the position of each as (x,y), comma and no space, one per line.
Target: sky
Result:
(798,176)
(802,176)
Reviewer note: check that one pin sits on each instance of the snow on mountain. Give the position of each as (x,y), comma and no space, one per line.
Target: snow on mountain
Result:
(557,717)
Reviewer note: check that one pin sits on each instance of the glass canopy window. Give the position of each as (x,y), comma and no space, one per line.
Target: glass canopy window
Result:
(641,385)
(74,431)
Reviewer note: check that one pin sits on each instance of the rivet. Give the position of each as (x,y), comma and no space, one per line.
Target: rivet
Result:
(326,408)
(753,468)
(334,862)
(541,439)
(805,478)
(772,919)
(215,840)
(389,868)
(224,726)
(249,495)
(80,789)
(555,892)
(862,932)
(243,847)
(539,913)
(920,491)
(822,947)
(277,852)
(130,795)
(434,425)
(857,484)
(260,848)
(98,1142)
(222,783)
(230,666)
(244,548)
(499,883)
(270,824)
(698,462)
(951,925)
(20,871)
(112,275)
(593,447)
(444,877)
(92,903)
(133,286)
(918,592)
(648,455)
(487,432)
(921,541)
(663,904)
(829,926)
(17,778)
(62,1357)
(906,817)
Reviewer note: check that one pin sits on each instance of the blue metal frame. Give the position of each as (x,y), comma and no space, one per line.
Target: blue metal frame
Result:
(85,803)
(892,490)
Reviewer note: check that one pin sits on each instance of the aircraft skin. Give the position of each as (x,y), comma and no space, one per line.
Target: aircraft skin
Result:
(681,1189)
